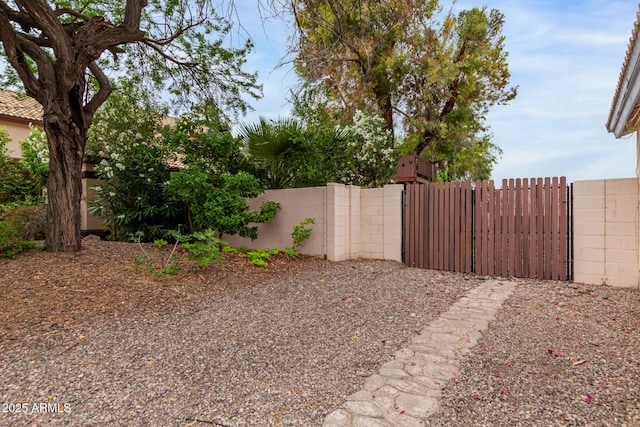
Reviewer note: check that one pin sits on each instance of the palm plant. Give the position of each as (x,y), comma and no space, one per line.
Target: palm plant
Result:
(273,149)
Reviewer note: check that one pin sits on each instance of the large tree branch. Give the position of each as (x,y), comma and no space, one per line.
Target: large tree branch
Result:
(101,96)
(133,13)
(455,85)
(49,24)
(15,55)
(65,11)
(174,36)
(25,21)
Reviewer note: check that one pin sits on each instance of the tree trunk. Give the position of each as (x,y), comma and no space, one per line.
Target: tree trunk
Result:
(425,141)
(64,186)
(387,113)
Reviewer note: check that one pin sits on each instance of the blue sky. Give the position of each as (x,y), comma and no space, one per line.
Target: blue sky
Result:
(565,56)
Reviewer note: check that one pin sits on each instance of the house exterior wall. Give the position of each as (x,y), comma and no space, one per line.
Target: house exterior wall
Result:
(638,152)
(350,222)
(88,222)
(606,237)
(19,131)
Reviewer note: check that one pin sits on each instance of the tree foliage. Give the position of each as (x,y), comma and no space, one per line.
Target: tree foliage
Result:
(312,150)
(35,157)
(134,195)
(431,75)
(210,183)
(62,54)
(181,176)
(16,184)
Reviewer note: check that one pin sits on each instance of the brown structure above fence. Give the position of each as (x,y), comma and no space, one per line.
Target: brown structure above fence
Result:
(520,230)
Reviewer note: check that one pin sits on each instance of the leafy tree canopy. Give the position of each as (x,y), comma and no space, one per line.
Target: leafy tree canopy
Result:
(65,54)
(431,75)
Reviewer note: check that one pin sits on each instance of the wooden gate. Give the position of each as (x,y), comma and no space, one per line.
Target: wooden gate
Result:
(520,230)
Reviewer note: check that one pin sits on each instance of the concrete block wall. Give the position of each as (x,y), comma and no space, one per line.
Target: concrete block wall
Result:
(381,223)
(88,222)
(350,222)
(606,238)
(297,204)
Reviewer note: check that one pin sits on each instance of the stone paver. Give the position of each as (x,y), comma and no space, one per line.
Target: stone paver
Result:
(406,390)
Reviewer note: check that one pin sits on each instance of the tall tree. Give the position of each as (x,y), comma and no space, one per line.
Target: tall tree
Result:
(434,75)
(58,52)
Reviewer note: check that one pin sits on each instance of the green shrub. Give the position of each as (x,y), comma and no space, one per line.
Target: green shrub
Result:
(260,257)
(235,250)
(290,252)
(300,234)
(15,183)
(33,220)
(205,247)
(11,241)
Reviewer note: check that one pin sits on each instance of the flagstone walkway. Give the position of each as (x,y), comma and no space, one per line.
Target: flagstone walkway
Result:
(406,390)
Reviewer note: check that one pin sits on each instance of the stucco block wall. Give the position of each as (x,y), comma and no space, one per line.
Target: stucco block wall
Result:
(297,204)
(606,237)
(88,222)
(350,222)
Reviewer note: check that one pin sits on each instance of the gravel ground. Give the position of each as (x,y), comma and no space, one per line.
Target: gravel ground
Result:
(276,350)
(284,346)
(558,354)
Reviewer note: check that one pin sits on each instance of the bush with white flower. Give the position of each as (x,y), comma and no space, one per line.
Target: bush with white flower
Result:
(35,157)
(133,164)
(371,157)
(141,195)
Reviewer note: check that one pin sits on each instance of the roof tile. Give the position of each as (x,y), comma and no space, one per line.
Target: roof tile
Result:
(15,104)
(625,65)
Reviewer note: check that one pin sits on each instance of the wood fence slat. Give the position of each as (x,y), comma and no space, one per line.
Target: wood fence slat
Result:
(478,232)
(563,229)
(444,224)
(468,228)
(426,213)
(450,238)
(518,230)
(438,221)
(490,228)
(435,225)
(495,236)
(525,227)
(511,216)
(415,224)
(555,229)
(532,228)
(455,215)
(442,203)
(418,220)
(410,226)
(489,238)
(547,228)
(420,217)
(504,230)
(540,228)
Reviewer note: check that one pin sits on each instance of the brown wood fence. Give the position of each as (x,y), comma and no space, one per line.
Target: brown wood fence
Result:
(520,230)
